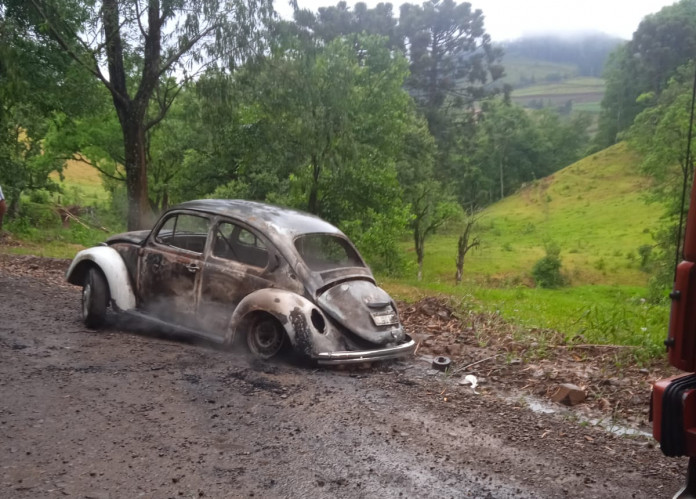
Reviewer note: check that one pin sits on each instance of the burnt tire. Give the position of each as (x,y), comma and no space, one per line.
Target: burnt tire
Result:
(95,298)
(265,337)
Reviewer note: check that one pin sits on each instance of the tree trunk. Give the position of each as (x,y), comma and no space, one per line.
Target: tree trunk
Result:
(131,111)
(463,247)
(461,251)
(139,210)
(502,183)
(420,243)
(313,202)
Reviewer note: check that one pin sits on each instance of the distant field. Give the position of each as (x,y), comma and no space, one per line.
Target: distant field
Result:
(588,107)
(584,92)
(579,85)
(594,209)
(539,83)
(82,184)
(528,71)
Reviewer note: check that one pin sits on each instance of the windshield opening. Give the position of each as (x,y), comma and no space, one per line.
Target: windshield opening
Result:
(325,251)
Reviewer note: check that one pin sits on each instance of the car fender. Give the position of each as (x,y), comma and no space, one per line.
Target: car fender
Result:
(106,259)
(293,312)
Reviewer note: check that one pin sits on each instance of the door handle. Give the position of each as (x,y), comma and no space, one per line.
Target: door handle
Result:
(193,267)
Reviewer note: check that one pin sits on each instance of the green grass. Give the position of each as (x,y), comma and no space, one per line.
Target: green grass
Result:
(39,230)
(596,315)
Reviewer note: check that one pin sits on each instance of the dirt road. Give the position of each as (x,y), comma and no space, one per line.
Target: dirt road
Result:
(126,412)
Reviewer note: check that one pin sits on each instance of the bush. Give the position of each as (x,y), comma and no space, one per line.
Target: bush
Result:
(377,236)
(547,270)
(38,215)
(645,251)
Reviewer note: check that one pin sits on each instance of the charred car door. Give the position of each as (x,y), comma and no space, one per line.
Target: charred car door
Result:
(240,262)
(169,267)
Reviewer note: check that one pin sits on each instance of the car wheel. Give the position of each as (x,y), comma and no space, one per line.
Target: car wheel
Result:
(94,299)
(265,337)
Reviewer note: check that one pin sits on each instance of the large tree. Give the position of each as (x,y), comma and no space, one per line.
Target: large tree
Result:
(451,55)
(141,51)
(661,135)
(663,42)
(341,116)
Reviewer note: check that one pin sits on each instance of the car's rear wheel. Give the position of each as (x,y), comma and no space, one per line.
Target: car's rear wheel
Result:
(266,337)
(95,296)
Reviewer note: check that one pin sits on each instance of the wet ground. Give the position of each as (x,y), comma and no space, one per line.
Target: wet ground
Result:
(128,412)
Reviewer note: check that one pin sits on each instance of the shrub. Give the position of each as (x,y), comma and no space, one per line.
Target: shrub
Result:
(377,236)
(645,251)
(39,215)
(547,270)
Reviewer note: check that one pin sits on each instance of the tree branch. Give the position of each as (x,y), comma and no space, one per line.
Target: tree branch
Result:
(164,108)
(177,55)
(82,159)
(94,70)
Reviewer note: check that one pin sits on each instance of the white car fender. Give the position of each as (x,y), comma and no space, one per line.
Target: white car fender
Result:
(114,269)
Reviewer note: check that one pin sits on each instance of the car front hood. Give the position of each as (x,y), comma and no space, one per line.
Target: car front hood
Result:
(354,303)
(133,237)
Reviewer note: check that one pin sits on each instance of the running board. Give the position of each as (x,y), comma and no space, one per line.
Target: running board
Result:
(176,328)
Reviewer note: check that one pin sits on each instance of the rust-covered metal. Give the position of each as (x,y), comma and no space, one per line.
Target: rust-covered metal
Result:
(214,265)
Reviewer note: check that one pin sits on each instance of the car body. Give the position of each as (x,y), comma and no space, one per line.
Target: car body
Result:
(232,269)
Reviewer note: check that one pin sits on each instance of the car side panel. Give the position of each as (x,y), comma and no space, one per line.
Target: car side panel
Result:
(167,282)
(224,284)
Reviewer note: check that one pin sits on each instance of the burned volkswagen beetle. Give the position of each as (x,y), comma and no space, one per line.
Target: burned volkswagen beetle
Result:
(231,270)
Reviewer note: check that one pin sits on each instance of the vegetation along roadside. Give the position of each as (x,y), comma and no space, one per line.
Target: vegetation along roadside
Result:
(414,141)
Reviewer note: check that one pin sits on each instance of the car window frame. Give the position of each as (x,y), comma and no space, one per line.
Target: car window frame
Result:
(342,237)
(273,253)
(152,238)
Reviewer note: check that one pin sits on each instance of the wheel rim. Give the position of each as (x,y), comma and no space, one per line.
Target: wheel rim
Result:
(86,297)
(265,339)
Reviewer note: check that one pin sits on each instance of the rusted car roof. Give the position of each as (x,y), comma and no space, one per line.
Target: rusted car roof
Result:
(267,218)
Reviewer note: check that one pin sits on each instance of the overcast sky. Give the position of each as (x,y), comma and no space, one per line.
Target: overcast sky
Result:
(510,19)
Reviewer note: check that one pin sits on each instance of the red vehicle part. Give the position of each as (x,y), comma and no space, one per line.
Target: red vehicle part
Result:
(681,342)
(674,415)
(673,405)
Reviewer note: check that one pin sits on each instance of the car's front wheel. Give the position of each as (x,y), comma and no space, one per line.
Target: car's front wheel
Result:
(266,337)
(95,296)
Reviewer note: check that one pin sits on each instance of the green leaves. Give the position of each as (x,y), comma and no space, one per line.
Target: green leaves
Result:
(662,43)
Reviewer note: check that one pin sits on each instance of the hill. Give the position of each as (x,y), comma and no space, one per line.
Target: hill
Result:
(586,52)
(561,72)
(595,210)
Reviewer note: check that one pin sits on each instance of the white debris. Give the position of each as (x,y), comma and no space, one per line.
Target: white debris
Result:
(470,379)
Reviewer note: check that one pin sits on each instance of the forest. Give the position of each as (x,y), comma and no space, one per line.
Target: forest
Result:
(381,124)
(392,123)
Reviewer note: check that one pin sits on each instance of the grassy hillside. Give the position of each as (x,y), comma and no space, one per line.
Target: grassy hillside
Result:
(595,210)
(81,184)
